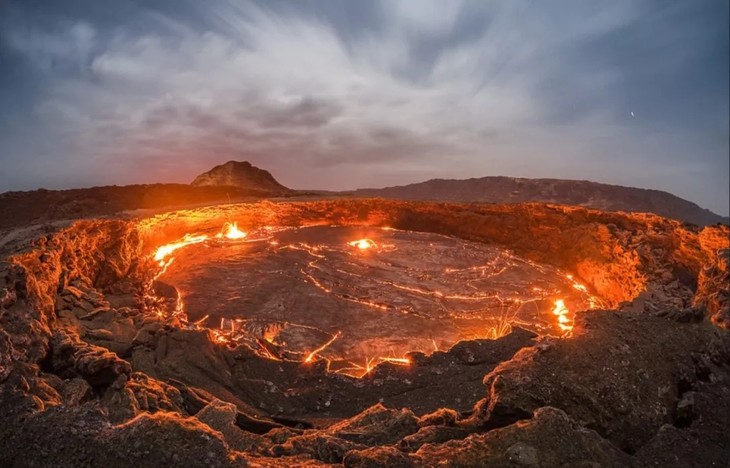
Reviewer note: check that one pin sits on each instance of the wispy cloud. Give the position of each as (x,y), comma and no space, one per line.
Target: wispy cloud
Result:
(432,88)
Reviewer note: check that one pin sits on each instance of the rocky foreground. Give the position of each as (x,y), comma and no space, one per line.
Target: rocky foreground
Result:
(89,377)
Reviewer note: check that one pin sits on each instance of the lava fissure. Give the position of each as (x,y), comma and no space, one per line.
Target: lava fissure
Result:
(378,260)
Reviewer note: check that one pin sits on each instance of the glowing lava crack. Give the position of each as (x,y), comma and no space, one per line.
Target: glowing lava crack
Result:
(309,294)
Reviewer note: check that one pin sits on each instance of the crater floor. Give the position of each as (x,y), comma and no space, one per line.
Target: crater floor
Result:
(392,293)
(97,364)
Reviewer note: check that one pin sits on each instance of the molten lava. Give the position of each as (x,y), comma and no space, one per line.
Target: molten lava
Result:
(311,355)
(562,312)
(166,250)
(231,231)
(363,244)
(464,293)
(394,360)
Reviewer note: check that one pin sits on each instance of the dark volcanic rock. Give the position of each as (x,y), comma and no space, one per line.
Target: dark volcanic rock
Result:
(221,416)
(240,174)
(43,206)
(702,442)
(621,374)
(550,438)
(377,426)
(376,457)
(72,357)
(148,441)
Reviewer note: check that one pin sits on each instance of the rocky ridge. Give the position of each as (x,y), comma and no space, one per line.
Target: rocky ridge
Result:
(566,192)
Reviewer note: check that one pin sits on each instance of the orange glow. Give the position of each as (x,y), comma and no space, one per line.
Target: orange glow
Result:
(231,231)
(363,244)
(562,312)
(368,366)
(593,301)
(201,321)
(394,360)
(267,354)
(322,348)
(164,251)
(359,371)
(270,335)
(577,285)
(232,332)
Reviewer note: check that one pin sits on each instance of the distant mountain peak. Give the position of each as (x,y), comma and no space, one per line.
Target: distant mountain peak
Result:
(241,174)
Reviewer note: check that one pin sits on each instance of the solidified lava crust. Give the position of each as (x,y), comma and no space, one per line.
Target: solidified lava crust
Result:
(304,289)
(89,375)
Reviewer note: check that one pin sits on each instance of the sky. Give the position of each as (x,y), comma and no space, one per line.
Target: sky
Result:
(346,94)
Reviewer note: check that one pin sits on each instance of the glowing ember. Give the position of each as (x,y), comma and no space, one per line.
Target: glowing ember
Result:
(360,371)
(562,313)
(164,251)
(368,366)
(201,321)
(593,301)
(269,335)
(231,231)
(363,244)
(401,361)
(321,348)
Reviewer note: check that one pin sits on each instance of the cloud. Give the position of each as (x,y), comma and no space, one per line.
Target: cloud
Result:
(452,89)
(67,47)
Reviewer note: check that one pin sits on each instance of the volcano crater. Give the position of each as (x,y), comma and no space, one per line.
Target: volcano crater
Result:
(278,330)
(365,295)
